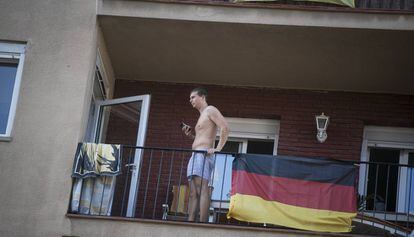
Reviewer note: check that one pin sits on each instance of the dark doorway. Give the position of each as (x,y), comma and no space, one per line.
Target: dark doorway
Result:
(382,180)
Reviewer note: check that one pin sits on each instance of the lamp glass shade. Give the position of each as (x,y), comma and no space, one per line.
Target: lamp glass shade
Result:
(322,121)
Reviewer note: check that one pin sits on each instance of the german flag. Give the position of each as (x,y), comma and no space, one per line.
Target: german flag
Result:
(297,192)
(349,3)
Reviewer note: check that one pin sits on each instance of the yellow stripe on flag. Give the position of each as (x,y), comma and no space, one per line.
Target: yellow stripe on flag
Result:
(255,209)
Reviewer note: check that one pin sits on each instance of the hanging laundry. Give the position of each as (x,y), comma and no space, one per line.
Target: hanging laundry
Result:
(92,160)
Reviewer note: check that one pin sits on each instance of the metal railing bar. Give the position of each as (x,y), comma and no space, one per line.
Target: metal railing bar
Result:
(205,157)
(158,184)
(126,182)
(365,191)
(81,193)
(222,185)
(355,162)
(92,191)
(139,173)
(382,163)
(409,196)
(176,149)
(215,220)
(396,204)
(146,187)
(179,184)
(375,190)
(169,176)
(386,192)
(103,193)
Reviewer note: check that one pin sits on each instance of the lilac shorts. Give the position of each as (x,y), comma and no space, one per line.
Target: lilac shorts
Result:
(201,165)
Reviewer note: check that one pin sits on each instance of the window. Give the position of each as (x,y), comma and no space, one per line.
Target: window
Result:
(11,64)
(99,93)
(392,184)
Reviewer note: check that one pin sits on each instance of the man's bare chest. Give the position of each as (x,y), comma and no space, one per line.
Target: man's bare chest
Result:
(204,123)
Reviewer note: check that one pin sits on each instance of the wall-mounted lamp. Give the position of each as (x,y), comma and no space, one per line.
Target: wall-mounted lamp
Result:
(322,124)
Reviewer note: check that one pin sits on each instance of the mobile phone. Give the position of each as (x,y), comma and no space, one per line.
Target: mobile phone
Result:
(182,125)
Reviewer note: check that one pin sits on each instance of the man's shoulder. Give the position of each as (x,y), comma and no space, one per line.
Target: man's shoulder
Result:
(211,109)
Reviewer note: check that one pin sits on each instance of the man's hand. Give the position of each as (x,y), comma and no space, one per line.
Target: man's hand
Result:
(211,151)
(187,131)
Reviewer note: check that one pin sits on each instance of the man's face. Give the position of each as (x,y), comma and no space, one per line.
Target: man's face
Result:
(195,100)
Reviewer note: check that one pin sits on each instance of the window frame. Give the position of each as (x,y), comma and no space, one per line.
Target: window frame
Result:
(241,129)
(388,137)
(10,52)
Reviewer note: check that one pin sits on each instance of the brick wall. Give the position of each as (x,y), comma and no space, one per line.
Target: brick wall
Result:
(349,113)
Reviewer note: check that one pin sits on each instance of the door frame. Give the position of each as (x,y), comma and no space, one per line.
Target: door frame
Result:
(140,142)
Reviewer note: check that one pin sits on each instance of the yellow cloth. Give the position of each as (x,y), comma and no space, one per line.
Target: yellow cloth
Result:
(255,209)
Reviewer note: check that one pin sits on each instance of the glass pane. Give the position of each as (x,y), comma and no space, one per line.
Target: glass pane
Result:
(322,123)
(90,127)
(411,158)
(222,170)
(7,79)
(230,146)
(97,95)
(260,147)
(119,123)
(410,183)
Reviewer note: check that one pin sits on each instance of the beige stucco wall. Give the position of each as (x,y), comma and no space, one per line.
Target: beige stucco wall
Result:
(35,165)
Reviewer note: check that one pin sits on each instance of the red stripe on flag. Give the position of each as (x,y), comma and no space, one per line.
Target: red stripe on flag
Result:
(302,193)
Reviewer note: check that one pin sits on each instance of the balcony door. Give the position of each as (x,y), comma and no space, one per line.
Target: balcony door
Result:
(123,121)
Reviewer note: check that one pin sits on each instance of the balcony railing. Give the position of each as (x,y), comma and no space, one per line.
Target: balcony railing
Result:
(161,193)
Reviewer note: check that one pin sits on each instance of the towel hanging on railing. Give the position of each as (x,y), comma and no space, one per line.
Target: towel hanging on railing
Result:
(92,160)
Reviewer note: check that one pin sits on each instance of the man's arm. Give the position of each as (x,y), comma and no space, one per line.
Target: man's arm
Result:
(217,118)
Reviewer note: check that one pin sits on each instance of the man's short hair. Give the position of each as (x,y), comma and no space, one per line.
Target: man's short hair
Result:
(201,91)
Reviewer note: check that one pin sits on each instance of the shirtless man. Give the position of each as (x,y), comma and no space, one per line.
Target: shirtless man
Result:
(201,164)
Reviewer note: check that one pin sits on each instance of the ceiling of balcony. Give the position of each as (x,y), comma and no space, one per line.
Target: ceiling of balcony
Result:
(316,58)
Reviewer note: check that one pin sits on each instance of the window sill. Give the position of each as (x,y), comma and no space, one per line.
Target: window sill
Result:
(5,138)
